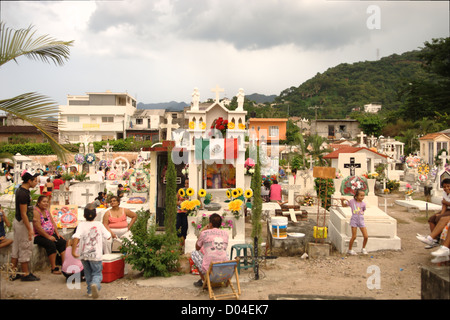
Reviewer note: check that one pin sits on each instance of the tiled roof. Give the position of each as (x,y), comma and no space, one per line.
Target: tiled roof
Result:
(349,149)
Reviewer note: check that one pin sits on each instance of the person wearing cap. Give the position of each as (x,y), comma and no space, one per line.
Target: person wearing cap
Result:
(22,246)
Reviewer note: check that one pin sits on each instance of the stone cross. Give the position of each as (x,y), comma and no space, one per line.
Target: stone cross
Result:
(217,89)
(372,140)
(108,149)
(352,166)
(87,194)
(444,157)
(361,135)
(169,126)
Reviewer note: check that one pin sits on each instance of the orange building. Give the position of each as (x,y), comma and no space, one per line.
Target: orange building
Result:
(267,128)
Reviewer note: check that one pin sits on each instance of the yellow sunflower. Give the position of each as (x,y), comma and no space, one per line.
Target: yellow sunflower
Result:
(235,205)
(235,193)
(202,193)
(190,192)
(228,194)
(230,125)
(203,125)
(191,125)
(248,193)
(241,192)
(181,193)
(241,126)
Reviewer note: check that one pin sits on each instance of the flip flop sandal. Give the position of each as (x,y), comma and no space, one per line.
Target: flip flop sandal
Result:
(56,271)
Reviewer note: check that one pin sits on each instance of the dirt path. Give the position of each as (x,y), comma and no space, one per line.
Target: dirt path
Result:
(336,275)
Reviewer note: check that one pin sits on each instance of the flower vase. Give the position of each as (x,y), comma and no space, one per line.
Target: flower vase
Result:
(408,197)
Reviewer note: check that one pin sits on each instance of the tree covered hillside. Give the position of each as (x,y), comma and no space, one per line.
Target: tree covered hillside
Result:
(344,87)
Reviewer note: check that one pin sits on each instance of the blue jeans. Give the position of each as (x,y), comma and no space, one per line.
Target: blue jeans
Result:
(93,273)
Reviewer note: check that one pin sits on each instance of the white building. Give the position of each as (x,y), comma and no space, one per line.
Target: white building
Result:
(102,115)
(372,108)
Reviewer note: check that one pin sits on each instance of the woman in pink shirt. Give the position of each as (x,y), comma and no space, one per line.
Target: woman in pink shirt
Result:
(275,191)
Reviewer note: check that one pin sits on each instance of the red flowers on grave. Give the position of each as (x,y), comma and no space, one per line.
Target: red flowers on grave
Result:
(221,125)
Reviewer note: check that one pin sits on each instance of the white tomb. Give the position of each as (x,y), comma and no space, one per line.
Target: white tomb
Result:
(83,193)
(381,227)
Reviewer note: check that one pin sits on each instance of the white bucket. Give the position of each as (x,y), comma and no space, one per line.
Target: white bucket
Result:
(279,227)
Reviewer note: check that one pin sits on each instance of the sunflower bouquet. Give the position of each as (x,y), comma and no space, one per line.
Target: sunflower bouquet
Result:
(207,196)
(235,207)
(190,206)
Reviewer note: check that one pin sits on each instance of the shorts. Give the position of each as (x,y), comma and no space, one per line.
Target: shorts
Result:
(22,248)
(197,257)
(357,221)
(434,220)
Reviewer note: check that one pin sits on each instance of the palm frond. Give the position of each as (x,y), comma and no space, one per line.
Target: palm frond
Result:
(35,108)
(21,42)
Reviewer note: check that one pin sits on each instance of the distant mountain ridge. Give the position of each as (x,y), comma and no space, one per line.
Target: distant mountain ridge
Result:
(179,106)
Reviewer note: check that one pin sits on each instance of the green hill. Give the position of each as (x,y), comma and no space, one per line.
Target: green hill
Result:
(344,87)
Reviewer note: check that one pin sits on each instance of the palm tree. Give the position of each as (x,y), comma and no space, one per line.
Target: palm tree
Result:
(33,107)
(317,150)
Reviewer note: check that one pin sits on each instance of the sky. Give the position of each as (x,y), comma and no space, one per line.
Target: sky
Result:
(160,50)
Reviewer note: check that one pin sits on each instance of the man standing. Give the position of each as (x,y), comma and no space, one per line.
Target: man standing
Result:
(22,246)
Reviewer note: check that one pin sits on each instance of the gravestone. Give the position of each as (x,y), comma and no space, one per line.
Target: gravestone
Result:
(83,193)
(437,191)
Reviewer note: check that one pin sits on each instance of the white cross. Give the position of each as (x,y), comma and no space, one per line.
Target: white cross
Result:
(361,135)
(87,194)
(372,140)
(169,126)
(444,157)
(217,89)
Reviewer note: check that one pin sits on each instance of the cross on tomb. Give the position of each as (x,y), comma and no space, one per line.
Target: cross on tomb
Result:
(361,136)
(217,89)
(169,126)
(352,166)
(87,194)
(444,157)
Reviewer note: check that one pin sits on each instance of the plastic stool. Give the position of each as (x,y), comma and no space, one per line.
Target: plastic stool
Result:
(242,264)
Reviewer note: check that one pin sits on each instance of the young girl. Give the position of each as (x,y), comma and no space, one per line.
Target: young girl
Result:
(357,220)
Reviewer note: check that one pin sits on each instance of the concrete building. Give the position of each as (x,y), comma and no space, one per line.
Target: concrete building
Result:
(432,143)
(335,129)
(103,115)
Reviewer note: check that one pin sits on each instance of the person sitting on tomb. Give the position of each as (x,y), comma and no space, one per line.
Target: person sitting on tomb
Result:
(443,253)
(276,192)
(120,191)
(445,211)
(4,242)
(432,240)
(211,246)
(115,221)
(265,191)
(100,200)
(46,233)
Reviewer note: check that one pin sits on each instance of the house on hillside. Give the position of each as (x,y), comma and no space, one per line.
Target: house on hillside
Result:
(335,129)
(432,143)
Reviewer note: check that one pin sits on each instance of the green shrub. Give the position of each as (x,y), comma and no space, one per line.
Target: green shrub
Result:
(151,253)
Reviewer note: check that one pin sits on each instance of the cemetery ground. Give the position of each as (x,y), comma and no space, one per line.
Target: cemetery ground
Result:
(337,275)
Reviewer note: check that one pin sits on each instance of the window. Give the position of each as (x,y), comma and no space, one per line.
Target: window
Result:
(274,131)
(139,121)
(73,118)
(441,145)
(107,119)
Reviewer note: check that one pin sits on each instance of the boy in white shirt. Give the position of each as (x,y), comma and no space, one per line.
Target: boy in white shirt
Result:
(91,234)
(439,220)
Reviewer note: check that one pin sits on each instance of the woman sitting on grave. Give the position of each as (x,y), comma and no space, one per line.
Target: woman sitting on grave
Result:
(265,191)
(275,192)
(46,233)
(115,221)
(100,200)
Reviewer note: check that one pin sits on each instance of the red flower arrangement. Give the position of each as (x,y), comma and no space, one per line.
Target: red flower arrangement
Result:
(221,125)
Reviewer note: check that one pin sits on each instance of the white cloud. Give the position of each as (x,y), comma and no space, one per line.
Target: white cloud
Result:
(160,50)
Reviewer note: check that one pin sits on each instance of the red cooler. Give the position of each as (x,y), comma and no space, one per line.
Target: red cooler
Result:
(113,267)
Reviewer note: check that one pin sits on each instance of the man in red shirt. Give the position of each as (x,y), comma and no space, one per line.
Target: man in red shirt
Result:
(57,182)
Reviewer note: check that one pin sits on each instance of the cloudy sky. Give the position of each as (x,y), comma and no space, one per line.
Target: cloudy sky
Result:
(160,50)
